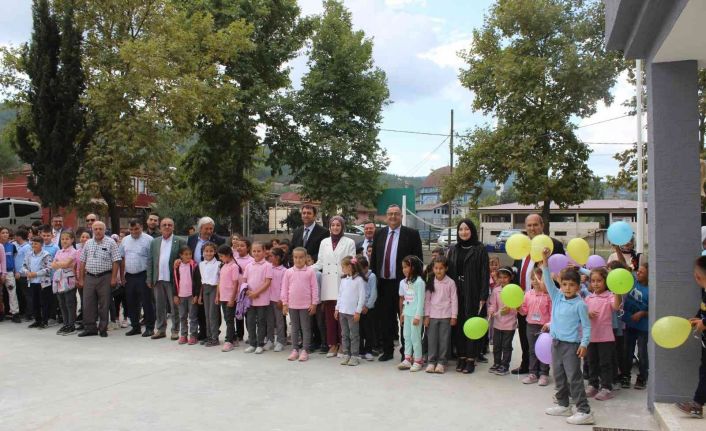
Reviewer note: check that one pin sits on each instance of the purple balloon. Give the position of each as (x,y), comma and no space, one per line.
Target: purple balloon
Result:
(557,262)
(595,261)
(543,348)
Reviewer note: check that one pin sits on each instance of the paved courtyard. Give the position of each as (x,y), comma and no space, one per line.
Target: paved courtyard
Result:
(49,382)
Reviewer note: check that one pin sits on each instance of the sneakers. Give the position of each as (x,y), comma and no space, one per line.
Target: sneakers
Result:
(354,361)
(559,411)
(482,359)
(580,418)
(212,343)
(502,371)
(604,395)
(35,325)
(294,355)
(640,383)
(124,324)
(250,349)
(16,318)
(494,368)
(440,369)
(591,391)
(70,330)
(278,347)
(112,326)
(369,357)
(345,360)
(175,336)
(625,383)
(404,365)
(303,356)
(227,346)
(182,339)
(529,380)
(61,330)
(691,408)
(417,366)
(236,343)
(543,380)
(268,345)
(192,341)
(259,350)
(431,368)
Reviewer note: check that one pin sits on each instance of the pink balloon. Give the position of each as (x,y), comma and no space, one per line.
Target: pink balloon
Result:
(543,348)
(595,261)
(557,262)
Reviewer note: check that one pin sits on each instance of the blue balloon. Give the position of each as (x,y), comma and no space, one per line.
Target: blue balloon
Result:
(620,233)
(703,253)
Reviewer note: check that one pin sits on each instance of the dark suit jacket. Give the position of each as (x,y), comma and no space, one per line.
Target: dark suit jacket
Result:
(408,243)
(359,245)
(317,234)
(558,249)
(193,240)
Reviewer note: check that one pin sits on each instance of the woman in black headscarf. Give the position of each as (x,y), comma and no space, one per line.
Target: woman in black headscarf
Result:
(468,267)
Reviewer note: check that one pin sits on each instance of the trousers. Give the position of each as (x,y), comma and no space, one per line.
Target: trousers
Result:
(163,294)
(67,304)
(438,339)
(257,325)
(568,376)
(96,300)
(300,321)
(536,367)
(502,347)
(188,316)
(600,364)
(212,313)
(350,334)
(412,338)
(275,324)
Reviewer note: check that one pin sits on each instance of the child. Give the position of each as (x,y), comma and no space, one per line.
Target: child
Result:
(10,285)
(299,296)
(187,284)
(367,318)
(504,324)
(208,276)
(64,281)
(537,306)
(369,252)
(241,251)
(695,408)
(24,249)
(571,332)
(635,306)
(37,269)
(284,245)
(493,266)
(412,312)
(441,310)
(601,303)
(349,305)
(275,318)
(319,320)
(258,277)
(228,281)
(47,238)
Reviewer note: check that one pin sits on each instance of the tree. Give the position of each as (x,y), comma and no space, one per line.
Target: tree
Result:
(293,220)
(535,65)
(338,111)
(50,130)
(222,163)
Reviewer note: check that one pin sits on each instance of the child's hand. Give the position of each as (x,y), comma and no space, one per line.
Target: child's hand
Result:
(195,300)
(426,322)
(335,314)
(176,300)
(592,314)
(545,327)
(356,317)
(55,265)
(201,300)
(453,321)
(546,253)
(581,352)
(231,303)
(216,301)
(253,295)
(285,309)
(415,322)
(312,309)
(698,324)
(365,310)
(637,316)
(504,310)
(279,305)
(177,262)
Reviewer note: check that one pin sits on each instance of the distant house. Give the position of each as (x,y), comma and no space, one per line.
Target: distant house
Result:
(430,208)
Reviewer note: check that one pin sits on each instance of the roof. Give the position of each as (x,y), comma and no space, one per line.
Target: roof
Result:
(429,207)
(595,205)
(290,197)
(435,178)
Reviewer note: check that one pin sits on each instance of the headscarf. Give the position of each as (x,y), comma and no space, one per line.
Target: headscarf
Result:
(336,238)
(473,240)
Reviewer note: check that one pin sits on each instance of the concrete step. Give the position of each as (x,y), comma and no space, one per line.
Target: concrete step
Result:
(669,418)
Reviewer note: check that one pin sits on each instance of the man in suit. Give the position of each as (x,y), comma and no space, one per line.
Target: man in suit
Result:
(534,225)
(57,228)
(163,252)
(205,228)
(390,245)
(369,233)
(311,234)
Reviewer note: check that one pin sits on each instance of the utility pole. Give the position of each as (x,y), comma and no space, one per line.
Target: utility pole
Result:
(451,170)
(640,243)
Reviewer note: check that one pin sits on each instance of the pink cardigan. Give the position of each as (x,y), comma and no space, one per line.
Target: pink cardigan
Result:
(507,322)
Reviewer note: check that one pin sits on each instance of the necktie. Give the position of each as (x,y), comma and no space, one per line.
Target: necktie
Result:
(306,236)
(388,251)
(523,273)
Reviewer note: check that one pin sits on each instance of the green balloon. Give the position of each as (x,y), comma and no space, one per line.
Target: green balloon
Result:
(475,328)
(512,295)
(620,281)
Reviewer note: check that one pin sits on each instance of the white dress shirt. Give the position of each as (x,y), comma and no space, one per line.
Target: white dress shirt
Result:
(165,251)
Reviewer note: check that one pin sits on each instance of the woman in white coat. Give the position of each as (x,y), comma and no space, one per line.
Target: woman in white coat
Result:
(332,251)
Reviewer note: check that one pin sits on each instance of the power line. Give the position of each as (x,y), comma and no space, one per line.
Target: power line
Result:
(427,157)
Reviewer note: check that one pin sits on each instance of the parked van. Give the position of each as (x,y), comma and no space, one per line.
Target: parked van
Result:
(18,212)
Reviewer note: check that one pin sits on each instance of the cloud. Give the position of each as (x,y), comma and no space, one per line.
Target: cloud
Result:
(15,21)
(446,55)
(611,127)
(405,3)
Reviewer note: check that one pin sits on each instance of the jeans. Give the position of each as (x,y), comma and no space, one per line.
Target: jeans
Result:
(632,337)
(257,325)
(502,347)
(67,304)
(413,338)
(350,334)
(229,317)
(568,377)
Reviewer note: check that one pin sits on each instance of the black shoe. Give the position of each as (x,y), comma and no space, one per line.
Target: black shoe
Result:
(70,330)
(460,363)
(87,333)
(482,359)
(640,383)
(625,383)
(80,327)
(104,334)
(385,357)
(17,318)
(519,370)
(133,331)
(148,333)
(43,325)
(62,330)
(35,325)
(469,368)
(323,350)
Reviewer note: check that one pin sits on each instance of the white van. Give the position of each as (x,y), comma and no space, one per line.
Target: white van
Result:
(17,212)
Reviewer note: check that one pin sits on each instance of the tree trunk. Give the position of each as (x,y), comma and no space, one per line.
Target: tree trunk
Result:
(113,211)
(546,210)
(236,220)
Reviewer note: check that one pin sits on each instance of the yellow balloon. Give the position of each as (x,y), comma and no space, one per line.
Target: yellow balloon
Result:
(578,250)
(518,246)
(539,243)
(671,331)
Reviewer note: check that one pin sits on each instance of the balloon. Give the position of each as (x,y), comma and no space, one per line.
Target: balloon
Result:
(539,243)
(543,348)
(579,250)
(620,233)
(595,261)
(518,246)
(620,281)
(557,262)
(671,331)
(512,295)
(475,328)
(703,253)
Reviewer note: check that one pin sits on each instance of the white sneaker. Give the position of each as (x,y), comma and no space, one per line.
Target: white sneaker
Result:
(250,349)
(417,366)
(580,418)
(369,357)
(346,360)
(124,323)
(259,350)
(404,365)
(352,362)
(278,347)
(558,411)
(268,345)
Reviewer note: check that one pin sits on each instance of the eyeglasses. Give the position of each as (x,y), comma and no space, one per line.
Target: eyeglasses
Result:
(90,220)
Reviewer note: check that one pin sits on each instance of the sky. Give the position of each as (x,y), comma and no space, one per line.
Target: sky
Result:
(416,43)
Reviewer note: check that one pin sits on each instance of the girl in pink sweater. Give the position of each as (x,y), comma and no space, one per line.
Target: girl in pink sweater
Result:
(504,324)
(538,309)
(300,294)
(440,312)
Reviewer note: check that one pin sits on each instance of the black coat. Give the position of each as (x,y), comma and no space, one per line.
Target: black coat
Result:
(317,234)
(409,243)
(193,240)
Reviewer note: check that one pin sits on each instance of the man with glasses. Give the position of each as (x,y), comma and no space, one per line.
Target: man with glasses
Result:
(98,274)
(163,252)
(57,227)
(135,250)
(92,218)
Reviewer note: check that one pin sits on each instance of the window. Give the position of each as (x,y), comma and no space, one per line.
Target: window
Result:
(4,210)
(560,233)
(141,186)
(496,218)
(495,232)
(23,210)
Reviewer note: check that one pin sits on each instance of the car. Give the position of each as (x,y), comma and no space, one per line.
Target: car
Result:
(445,240)
(502,237)
(18,212)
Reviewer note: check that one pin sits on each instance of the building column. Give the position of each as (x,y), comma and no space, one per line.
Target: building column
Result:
(674,214)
